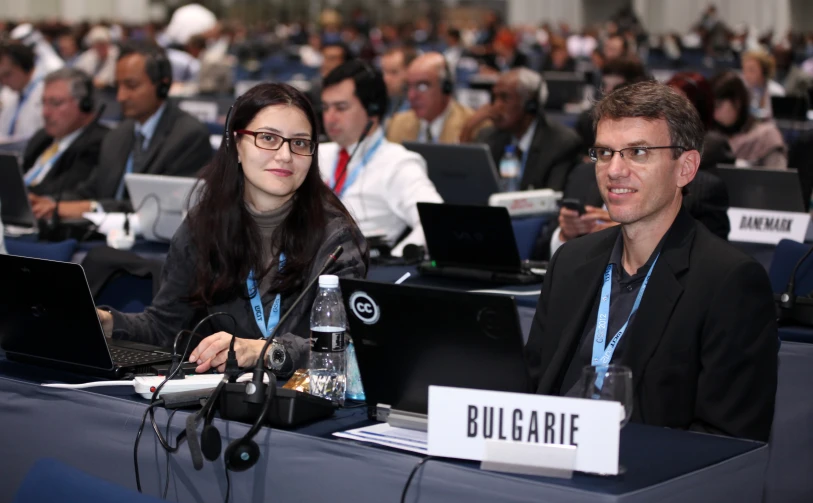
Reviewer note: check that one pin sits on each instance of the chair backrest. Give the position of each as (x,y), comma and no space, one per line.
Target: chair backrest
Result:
(785,257)
(526,230)
(52,480)
(62,251)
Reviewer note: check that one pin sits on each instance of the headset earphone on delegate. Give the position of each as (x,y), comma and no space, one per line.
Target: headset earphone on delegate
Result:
(86,104)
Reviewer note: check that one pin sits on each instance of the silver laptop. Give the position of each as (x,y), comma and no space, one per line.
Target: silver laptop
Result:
(161,202)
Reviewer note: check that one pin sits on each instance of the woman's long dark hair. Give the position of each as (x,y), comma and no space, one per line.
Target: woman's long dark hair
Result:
(730,86)
(226,240)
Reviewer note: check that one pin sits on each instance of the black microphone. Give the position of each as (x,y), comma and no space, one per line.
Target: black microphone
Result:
(788,299)
(56,221)
(257,379)
(367,129)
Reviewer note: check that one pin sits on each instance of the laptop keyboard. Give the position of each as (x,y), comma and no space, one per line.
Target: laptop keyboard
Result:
(130,358)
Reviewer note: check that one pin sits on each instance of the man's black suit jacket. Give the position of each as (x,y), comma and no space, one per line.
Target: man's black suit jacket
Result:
(554,151)
(703,344)
(179,147)
(74,166)
(706,200)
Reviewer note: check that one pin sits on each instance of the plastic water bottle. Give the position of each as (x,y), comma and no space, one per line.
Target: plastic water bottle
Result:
(355,389)
(509,169)
(326,367)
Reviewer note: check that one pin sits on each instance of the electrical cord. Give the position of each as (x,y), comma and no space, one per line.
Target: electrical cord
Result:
(228,482)
(150,196)
(164,443)
(166,482)
(138,439)
(412,475)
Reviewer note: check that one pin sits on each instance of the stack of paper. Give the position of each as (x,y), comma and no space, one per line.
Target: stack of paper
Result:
(386,435)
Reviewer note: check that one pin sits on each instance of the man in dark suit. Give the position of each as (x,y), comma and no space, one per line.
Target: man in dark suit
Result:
(689,314)
(705,198)
(547,150)
(64,153)
(156,138)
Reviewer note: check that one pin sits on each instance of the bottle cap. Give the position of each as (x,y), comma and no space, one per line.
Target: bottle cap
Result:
(328,281)
(510,149)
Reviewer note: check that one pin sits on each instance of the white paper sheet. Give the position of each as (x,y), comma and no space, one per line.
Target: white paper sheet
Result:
(386,435)
(110,221)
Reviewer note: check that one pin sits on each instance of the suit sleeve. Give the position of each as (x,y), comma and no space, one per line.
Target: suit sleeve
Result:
(408,186)
(541,345)
(169,312)
(737,384)
(707,202)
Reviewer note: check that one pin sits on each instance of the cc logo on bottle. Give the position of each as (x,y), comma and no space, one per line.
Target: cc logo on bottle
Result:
(364,308)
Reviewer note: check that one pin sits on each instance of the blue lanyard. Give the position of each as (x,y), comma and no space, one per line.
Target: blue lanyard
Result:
(351,176)
(23,98)
(603,355)
(257,305)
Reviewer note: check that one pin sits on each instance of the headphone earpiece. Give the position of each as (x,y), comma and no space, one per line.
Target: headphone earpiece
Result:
(164,80)
(86,104)
(447,84)
(532,104)
(210,442)
(241,455)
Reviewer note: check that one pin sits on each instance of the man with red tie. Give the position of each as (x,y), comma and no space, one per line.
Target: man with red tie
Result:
(379,182)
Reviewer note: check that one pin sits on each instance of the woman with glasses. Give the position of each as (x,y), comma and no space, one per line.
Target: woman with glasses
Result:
(264,226)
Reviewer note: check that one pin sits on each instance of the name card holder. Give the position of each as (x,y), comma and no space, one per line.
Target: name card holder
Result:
(546,460)
(767,226)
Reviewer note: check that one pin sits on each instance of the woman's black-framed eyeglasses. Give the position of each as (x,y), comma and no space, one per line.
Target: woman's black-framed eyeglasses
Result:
(638,155)
(271,141)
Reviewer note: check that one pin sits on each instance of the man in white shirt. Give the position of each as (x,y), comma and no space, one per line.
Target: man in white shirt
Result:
(383,181)
(21,95)
(100,60)
(435,116)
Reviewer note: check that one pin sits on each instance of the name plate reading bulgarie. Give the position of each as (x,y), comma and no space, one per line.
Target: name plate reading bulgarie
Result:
(463,421)
(766,226)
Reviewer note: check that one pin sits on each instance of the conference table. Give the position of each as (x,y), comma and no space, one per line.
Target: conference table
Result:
(94,430)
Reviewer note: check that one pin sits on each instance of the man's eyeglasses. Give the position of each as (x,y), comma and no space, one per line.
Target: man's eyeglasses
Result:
(420,87)
(271,141)
(638,155)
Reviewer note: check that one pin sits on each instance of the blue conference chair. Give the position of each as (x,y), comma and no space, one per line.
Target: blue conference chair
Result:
(785,257)
(62,251)
(52,480)
(526,231)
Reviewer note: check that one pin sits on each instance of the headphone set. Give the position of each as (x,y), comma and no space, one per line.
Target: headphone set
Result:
(534,102)
(373,107)
(86,104)
(447,84)
(159,70)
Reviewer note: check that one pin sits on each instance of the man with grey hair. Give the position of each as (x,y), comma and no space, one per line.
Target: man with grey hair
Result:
(546,149)
(688,314)
(65,151)
(435,116)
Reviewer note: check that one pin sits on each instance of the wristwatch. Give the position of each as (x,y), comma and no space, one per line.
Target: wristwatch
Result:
(276,357)
(94,206)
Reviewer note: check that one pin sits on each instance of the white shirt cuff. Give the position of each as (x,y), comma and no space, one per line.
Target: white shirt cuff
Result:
(555,241)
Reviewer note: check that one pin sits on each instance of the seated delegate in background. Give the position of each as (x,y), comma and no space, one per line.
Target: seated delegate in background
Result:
(64,153)
(157,138)
(690,315)
(547,150)
(265,212)
(20,92)
(435,116)
(755,143)
(383,183)
(758,68)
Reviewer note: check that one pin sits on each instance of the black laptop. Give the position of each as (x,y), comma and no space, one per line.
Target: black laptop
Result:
(764,189)
(474,243)
(48,318)
(408,338)
(790,107)
(16,209)
(462,174)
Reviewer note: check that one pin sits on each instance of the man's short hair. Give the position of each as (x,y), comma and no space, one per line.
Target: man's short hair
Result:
(629,69)
(531,85)
(370,87)
(20,55)
(347,54)
(654,101)
(79,82)
(408,53)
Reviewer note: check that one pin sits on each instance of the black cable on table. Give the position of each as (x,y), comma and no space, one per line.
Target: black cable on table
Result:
(166,483)
(138,439)
(412,475)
